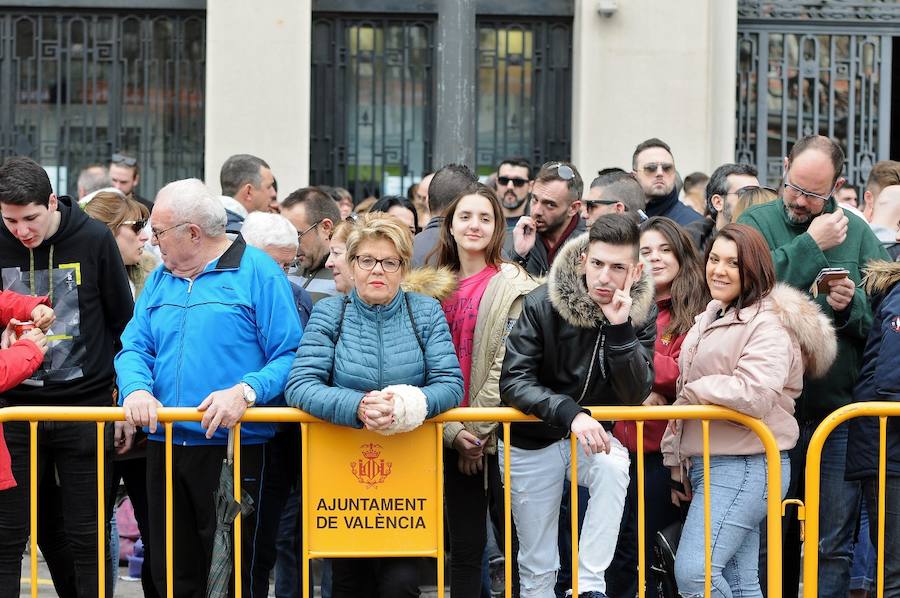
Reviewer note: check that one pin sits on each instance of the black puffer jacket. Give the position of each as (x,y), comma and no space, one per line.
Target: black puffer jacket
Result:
(562,354)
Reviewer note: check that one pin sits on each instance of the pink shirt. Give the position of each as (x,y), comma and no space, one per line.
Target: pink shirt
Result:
(461,309)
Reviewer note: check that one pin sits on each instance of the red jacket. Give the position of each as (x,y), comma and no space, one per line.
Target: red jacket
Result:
(665,375)
(16,363)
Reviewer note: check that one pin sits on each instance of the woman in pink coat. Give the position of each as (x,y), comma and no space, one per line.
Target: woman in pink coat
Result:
(748,351)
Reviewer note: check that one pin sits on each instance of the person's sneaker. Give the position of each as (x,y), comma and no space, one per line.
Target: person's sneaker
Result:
(592,595)
(497,571)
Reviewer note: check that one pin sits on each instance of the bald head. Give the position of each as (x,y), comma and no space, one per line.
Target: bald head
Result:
(886,210)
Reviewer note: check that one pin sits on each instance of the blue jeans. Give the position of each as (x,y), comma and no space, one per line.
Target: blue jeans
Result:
(739,489)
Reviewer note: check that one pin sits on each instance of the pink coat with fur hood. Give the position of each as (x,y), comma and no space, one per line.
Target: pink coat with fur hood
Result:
(754,365)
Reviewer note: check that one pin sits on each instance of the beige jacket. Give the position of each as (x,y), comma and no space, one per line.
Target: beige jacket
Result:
(499,309)
(754,365)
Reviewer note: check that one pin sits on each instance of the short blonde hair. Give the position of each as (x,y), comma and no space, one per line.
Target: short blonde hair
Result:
(341,232)
(378,225)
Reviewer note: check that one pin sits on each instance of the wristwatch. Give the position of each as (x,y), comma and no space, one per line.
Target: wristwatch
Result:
(249,394)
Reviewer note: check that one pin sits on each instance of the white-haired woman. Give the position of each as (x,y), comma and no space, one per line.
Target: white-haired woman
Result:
(274,234)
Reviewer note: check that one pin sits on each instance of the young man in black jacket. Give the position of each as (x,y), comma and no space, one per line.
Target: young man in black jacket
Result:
(48,246)
(584,339)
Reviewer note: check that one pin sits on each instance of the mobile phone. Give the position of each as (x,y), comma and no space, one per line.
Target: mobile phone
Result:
(826,275)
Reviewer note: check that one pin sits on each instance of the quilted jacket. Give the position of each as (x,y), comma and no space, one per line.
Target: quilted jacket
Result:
(349,349)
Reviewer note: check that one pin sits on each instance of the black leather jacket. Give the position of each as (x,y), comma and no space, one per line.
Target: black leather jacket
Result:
(562,354)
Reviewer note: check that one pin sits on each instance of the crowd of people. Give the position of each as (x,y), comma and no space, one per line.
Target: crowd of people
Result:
(526,290)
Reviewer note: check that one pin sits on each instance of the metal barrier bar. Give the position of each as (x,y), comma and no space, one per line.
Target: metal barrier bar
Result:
(507,513)
(573,519)
(707,516)
(32,492)
(641,527)
(882,474)
(505,415)
(236,527)
(440,520)
(304,506)
(170,517)
(101,511)
(880,409)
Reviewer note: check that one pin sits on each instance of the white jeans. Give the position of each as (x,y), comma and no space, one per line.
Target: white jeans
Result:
(536,486)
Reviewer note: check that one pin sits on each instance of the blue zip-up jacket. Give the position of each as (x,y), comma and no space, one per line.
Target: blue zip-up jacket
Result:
(376,347)
(235,322)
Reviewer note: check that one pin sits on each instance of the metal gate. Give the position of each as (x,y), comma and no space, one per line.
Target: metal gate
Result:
(372,125)
(77,86)
(523,90)
(372,102)
(814,67)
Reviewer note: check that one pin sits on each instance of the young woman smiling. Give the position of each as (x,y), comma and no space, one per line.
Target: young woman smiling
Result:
(748,351)
(669,254)
(487,300)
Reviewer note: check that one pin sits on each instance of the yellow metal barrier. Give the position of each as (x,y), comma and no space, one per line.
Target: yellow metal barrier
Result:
(167,416)
(881,410)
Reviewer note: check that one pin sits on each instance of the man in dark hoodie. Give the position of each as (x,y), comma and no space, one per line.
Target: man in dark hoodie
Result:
(583,339)
(654,168)
(48,246)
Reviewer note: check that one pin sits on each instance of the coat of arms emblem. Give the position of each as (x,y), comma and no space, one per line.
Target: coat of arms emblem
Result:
(370,470)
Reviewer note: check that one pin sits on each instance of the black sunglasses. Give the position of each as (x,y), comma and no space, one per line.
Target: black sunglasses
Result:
(123,159)
(136,225)
(505,180)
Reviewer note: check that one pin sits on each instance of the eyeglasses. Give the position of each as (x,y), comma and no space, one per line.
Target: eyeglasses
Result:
(158,234)
(315,224)
(804,193)
(123,159)
(652,167)
(388,264)
(503,181)
(136,225)
(563,170)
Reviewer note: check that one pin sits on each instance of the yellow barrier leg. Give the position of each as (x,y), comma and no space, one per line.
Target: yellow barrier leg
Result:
(642,571)
(101,512)
(32,491)
(439,528)
(304,506)
(237,577)
(882,469)
(707,517)
(573,519)
(170,560)
(507,514)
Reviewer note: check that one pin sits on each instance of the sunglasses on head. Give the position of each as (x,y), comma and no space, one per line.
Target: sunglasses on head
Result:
(563,170)
(123,159)
(505,180)
(136,225)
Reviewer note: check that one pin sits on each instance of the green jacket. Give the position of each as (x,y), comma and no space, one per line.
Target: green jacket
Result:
(797,262)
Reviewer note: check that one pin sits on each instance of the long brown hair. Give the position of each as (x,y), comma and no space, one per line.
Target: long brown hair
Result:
(446,250)
(755,267)
(688,289)
(112,210)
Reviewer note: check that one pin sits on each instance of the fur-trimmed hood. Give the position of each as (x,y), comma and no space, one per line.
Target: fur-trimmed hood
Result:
(569,294)
(438,283)
(879,276)
(812,328)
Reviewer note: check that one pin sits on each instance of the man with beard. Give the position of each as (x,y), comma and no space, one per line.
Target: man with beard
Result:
(654,168)
(555,218)
(314,214)
(513,186)
(722,191)
(807,231)
(613,192)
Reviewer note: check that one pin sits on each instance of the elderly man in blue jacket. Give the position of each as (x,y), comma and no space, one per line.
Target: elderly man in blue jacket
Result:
(215,329)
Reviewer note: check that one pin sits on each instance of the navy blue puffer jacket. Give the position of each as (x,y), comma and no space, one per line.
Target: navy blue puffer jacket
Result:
(376,347)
